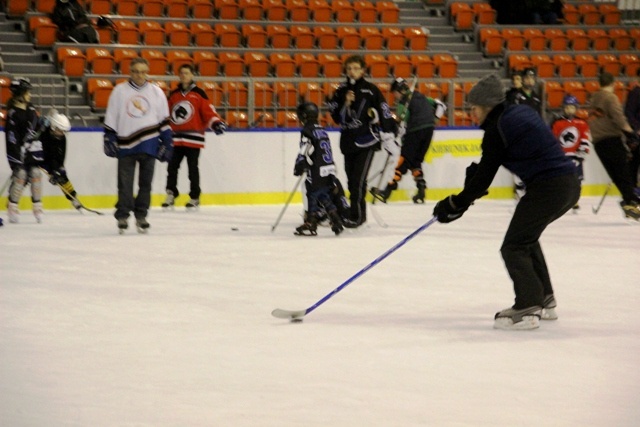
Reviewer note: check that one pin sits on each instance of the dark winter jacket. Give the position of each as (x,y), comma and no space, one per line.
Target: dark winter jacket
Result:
(21,126)
(517,138)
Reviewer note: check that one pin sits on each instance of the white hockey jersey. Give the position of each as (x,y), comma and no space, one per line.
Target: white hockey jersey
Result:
(139,116)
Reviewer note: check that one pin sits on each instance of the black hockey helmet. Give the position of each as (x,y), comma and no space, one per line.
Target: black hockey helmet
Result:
(19,86)
(399,85)
(307,111)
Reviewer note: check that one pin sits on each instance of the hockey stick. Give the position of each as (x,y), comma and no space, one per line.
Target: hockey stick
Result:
(595,209)
(286,205)
(82,206)
(299,314)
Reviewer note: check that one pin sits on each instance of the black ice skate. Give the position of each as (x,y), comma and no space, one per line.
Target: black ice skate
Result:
(193,204)
(383,195)
(309,228)
(631,210)
(518,320)
(169,201)
(122,225)
(142,225)
(420,195)
(336,222)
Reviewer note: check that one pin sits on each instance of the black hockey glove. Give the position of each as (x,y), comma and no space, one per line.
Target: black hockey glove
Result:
(300,168)
(110,144)
(57,176)
(219,127)
(446,211)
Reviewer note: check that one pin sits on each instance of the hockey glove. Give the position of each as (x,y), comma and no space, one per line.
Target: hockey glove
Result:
(58,176)
(300,168)
(164,153)
(110,144)
(389,143)
(219,127)
(446,211)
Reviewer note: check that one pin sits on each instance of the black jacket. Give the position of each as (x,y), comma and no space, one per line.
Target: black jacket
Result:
(20,127)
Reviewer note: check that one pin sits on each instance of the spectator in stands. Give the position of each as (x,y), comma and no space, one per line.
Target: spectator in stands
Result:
(632,112)
(516,86)
(545,11)
(74,25)
(527,94)
(608,126)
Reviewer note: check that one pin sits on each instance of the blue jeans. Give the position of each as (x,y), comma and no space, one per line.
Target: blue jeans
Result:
(126,173)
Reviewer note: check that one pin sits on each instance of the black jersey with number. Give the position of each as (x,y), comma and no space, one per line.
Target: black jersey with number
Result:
(317,155)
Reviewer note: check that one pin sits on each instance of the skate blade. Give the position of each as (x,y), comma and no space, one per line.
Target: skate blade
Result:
(549,314)
(527,323)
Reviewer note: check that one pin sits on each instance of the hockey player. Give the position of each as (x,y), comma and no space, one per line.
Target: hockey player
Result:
(191,115)
(356,105)
(316,158)
(24,150)
(516,137)
(54,144)
(136,132)
(573,134)
(416,115)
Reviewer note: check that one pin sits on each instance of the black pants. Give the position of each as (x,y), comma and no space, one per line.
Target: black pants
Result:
(613,155)
(126,173)
(414,147)
(192,155)
(544,202)
(357,165)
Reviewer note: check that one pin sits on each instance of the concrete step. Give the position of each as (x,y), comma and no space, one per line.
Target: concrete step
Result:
(448,38)
(428,20)
(12,37)
(452,47)
(25,58)
(27,68)
(22,47)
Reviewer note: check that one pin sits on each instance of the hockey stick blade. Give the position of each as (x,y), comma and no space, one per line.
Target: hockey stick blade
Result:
(299,314)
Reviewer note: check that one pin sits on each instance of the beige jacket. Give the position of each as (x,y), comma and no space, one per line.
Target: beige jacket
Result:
(606,119)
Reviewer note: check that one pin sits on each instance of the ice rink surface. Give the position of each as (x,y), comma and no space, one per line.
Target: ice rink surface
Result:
(174,328)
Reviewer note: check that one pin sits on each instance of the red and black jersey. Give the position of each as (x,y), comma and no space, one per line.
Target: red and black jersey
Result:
(573,134)
(191,115)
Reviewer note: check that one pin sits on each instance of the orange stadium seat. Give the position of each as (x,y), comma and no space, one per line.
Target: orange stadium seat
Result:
(484,13)
(251,10)
(178,58)
(100,60)
(631,63)
(518,62)
(17,8)
(610,14)
(417,39)
(576,89)
(257,64)
(307,65)
(461,118)
(565,65)
(72,61)
(371,38)
(302,37)
(635,35)
(157,61)
(178,34)
(151,8)
(228,35)
(298,11)
(320,10)
(231,64)
(177,8)
(105,34)
(609,63)
(126,32)
(620,89)
(275,10)
(393,38)
(555,93)
(388,12)
(254,36)
(544,65)
(556,39)
(227,9)
(535,39)
(213,92)
(279,36)
(571,14)
(326,37)
(263,119)
(599,38)
(513,39)
(349,38)
(45,6)
(123,57)
(286,119)
(207,63)
(311,92)
(578,39)
(491,41)
(385,88)
(237,119)
(282,65)
(423,65)
(263,94)
(462,15)
(430,89)
(203,34)
(329,88)
(99,91)
(201,9)
(587,65)
(446,65)
(377,64)
(126,7)
(365,11)
(99,7)
(620,39)
(43,31)
(152,33)
(330,65)
(285,94)
(589,14)
(236,93)
(343,11)
(400,65)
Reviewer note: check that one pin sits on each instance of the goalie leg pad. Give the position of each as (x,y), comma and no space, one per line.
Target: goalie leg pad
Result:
(18,181)
(35,179)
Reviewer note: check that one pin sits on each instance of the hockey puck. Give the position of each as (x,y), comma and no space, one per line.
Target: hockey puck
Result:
(234,229)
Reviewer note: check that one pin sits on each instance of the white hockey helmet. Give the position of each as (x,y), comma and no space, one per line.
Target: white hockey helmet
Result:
(60,122)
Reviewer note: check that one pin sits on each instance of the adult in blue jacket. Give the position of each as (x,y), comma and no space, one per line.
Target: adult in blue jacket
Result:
(516,137)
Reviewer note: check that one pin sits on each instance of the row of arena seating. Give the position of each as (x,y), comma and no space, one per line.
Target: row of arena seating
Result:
(75,62)
(465,15)
(556,90)
(175,33)
(583,64)
(269,10)
(494,41)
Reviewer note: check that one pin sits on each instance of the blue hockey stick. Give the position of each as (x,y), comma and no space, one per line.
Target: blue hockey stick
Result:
(299,314)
